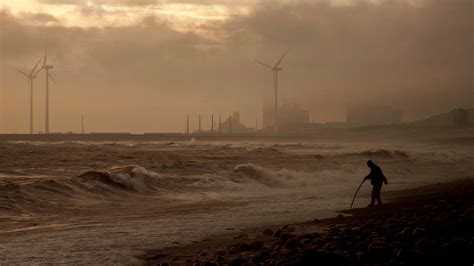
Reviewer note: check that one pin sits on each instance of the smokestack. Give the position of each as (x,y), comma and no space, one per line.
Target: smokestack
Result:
(199,130)
(220,123)
(212,123)
(82,124)
(230,124)
(187,124)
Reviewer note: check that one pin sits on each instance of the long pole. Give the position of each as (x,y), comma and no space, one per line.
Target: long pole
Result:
(199,130)
(357,191)
(31,105)
(187,124)
(212,123)
(46,123)
(275,117)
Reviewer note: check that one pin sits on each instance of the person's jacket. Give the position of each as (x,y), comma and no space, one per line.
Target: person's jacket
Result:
(376,176)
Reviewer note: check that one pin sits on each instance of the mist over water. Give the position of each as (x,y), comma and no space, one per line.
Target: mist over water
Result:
(108,201)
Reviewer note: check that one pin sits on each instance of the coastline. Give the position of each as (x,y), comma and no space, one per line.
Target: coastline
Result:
(428,224)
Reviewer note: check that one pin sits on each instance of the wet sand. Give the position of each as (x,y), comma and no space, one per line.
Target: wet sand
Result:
(426,225)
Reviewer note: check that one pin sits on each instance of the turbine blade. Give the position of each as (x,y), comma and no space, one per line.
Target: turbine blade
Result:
(34,68)
(51,77)
(41,68)
(263,64)
(281,58)
(23,73)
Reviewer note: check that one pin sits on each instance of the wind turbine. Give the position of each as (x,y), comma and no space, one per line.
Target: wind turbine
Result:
(275,69)
(48,76)
(31,76)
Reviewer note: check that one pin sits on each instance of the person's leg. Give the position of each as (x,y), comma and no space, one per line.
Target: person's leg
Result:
(378,198)
(372,200)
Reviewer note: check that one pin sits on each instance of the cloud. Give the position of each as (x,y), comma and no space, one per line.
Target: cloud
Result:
(148,76)
(39,17)
(101,2)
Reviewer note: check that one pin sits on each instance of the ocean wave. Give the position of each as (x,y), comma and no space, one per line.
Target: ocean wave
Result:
(132,178)
(379,153)
(286,178)
(133,182)
(265,150)
(51,194)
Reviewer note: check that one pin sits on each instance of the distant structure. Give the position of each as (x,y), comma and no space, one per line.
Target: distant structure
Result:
(275,69)
(458,117)
(48,76)
(82,124)
(233,125)
(292,119)
(212,123)
(372,116)
(220,124)
(461,117)
(30,77)
(187,124)
(199,130)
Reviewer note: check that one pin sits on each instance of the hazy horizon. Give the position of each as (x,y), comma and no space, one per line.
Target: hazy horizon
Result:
(143,67)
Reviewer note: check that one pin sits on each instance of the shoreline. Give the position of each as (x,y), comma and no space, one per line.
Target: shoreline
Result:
(431,223)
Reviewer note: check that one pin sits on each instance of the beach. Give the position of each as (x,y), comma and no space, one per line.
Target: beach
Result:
(427,225)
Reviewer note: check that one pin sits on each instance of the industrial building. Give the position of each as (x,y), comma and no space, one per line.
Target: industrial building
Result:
(292,119)
(233,125)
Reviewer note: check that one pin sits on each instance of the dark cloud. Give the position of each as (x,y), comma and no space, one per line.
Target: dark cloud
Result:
(416,58)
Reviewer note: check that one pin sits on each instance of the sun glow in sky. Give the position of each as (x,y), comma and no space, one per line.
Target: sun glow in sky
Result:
(81,13)
(110,13)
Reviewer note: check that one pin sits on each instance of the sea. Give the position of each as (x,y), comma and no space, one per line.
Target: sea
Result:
(106,202)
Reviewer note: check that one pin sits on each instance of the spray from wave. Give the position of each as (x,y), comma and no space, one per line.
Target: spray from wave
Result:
(286,178)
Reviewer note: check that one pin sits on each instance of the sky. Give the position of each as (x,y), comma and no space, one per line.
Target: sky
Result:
(143,65)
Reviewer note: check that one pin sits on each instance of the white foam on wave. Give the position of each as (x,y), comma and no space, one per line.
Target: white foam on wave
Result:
(286,178)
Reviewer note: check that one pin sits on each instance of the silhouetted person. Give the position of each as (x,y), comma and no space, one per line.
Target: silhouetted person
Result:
(377,178)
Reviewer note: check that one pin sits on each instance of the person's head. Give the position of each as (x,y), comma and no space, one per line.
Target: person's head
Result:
(370,164)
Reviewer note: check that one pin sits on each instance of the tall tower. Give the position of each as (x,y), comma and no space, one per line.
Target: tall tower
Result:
(212,123)
(187,124)
(31,105)
(220,123)
(199,130)
(46,122)
(82,124)
(230,124)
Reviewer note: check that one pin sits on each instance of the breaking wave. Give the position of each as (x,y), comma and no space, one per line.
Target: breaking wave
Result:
(126,183)
(51,194)
(286,178)
(132,178)
(380,153)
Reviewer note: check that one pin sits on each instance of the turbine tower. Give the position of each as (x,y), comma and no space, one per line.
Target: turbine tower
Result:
(30,77)
(275,69)
(48,76)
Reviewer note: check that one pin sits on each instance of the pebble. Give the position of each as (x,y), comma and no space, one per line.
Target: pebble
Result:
(267,232)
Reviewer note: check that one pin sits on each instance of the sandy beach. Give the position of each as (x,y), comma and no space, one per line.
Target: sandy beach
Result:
(429,225)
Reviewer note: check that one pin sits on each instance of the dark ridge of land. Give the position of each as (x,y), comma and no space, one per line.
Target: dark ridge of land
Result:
(431,225)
